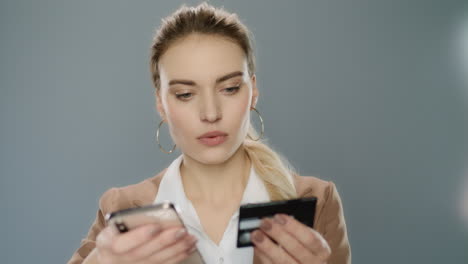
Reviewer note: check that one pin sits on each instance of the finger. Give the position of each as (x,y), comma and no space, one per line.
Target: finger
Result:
(275,253)
(134,238)
(308,237)
(106,237)
(179,257)
(104,244)
(288,242)
(183,247)
(260,257)
(158,243)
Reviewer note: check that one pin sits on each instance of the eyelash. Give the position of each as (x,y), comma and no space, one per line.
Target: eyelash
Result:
(235,89)
(187,96)
(182,96)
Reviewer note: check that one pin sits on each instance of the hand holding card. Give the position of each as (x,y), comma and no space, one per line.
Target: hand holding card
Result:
(250,215)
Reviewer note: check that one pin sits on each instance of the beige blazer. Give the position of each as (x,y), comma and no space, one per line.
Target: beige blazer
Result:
(329,219)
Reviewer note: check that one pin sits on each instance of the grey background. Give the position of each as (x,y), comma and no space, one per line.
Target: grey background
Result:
(363,93)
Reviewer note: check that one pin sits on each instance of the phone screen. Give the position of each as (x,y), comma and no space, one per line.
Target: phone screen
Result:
(163,214)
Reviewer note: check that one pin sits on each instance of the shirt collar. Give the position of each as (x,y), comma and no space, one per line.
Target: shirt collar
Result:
(171,189)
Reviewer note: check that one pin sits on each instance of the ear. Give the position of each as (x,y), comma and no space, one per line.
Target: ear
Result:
(159,105)
(254,90)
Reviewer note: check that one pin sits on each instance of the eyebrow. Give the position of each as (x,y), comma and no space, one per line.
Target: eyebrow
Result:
(219,80)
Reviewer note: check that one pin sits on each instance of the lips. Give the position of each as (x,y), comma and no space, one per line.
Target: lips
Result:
(213,138)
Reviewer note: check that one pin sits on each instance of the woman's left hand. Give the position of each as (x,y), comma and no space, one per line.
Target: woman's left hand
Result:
(297,243)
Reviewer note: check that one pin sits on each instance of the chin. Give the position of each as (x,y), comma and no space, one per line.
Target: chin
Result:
(213,156)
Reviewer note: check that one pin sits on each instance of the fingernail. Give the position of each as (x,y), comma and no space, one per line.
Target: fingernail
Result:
(265,225)
(154,230)
(180,233)
(280,219)
(257,236)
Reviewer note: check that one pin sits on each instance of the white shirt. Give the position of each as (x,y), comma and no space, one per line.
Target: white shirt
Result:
(171,189)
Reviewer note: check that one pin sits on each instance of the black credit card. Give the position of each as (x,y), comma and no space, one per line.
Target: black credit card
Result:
(250,215)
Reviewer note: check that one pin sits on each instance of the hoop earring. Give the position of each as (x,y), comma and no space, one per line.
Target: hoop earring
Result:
(157,140)
(261,121)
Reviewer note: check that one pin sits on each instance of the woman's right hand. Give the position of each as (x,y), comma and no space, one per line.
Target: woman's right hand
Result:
(144,244)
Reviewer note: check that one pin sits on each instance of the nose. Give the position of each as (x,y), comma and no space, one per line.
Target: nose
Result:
(210,109)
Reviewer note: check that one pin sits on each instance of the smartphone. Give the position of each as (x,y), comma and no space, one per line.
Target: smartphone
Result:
(250,215)
(166,214)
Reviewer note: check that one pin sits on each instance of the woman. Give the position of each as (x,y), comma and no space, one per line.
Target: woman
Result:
(203,70)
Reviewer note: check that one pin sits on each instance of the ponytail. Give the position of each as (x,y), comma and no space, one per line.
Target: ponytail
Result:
(274,171)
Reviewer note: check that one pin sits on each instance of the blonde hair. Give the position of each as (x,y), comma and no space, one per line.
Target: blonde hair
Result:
(275,172)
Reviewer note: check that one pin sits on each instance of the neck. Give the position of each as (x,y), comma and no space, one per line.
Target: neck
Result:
(216,183)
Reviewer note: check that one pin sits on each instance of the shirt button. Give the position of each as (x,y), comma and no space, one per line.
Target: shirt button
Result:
(221,260)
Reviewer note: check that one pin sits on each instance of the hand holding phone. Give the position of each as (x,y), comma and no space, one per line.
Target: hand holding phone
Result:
(154,234)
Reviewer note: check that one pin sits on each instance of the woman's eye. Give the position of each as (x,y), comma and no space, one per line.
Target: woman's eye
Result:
(231,90)
(184,96)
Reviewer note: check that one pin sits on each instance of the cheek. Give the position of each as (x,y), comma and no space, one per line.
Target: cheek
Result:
(239,111)
(180,121)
